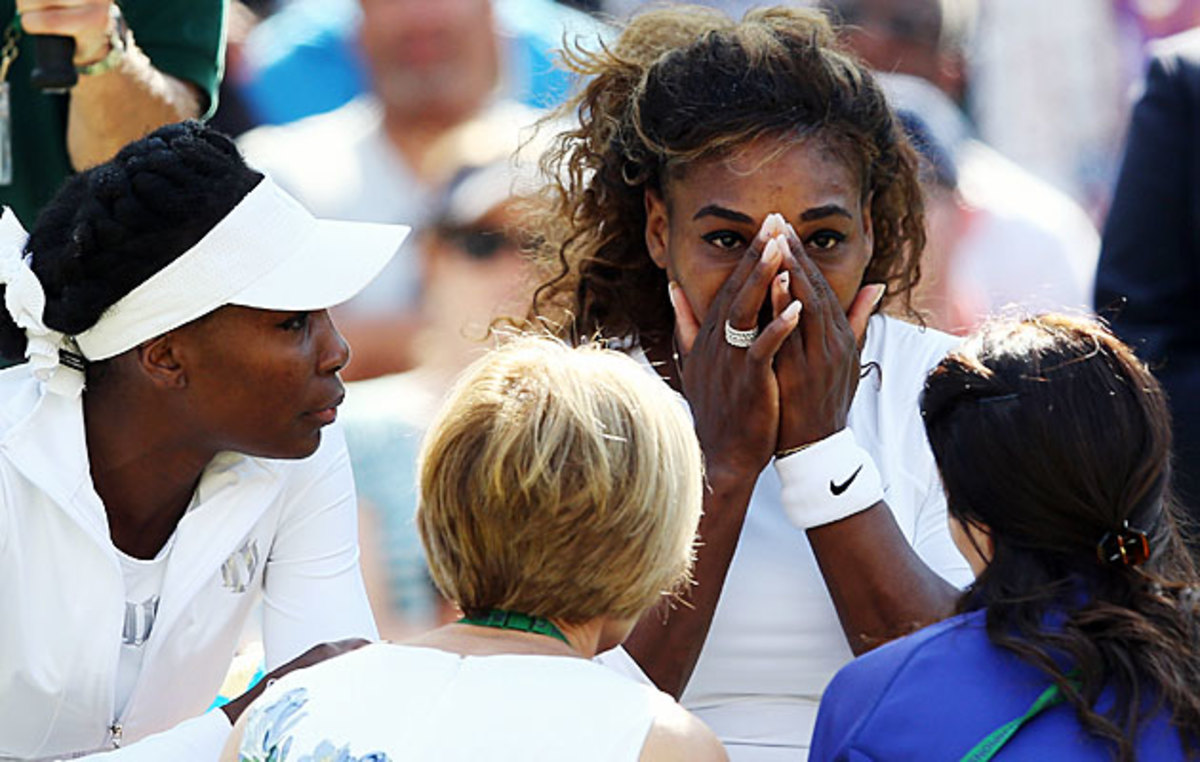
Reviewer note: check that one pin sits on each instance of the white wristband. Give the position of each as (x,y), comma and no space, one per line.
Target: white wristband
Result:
(828,481)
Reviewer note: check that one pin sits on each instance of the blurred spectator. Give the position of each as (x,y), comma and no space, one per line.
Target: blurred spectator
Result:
(1047,89)
(306,59)
(1019,241)
(1010,239)
(942,298)
(141,64)
(1149,273)
(472,271)
(434,67)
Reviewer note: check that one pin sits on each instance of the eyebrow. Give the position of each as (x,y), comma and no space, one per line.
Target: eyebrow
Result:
(816,213)
(715,210)
(828,210)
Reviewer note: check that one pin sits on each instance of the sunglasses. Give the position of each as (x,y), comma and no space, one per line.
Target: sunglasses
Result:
(480,243)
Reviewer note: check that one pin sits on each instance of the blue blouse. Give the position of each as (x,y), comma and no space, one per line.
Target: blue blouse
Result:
(936,693)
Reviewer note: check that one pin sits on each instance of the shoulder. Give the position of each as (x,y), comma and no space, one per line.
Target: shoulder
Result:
(677,736)
(906,346)
(321,138)
(897,356)
(886,698)
(876,669)
(1178,53)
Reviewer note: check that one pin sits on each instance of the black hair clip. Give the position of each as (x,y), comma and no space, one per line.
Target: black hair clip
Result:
(1126,546)
(72,360)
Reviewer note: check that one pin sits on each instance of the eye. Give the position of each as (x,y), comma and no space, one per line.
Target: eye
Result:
(725,239)
(297,322)
(823,240)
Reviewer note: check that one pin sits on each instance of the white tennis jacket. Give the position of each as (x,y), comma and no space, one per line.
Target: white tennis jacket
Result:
(283,532)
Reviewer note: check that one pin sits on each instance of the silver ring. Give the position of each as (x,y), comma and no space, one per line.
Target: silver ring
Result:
(739,338)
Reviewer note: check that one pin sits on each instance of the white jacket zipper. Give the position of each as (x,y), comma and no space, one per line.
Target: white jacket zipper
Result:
(114,735)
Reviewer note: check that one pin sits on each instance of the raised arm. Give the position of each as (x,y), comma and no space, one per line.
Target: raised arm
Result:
(879,585)
(734,399)
(127,95)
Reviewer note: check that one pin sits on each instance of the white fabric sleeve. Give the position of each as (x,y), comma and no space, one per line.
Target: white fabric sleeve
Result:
(200,739)
(932,540)
(313,588)
(619,661)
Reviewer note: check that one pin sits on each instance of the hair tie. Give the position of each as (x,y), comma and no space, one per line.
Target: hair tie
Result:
(26,302)
(1126,546)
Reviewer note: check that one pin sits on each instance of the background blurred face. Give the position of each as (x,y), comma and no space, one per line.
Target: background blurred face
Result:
(262,382)
(713,210)
(902,36)
(432,58)
(475,273)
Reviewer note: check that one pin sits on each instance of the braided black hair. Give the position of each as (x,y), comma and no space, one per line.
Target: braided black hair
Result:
(110,228)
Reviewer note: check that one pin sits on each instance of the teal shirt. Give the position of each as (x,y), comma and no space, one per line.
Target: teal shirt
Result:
(182,38)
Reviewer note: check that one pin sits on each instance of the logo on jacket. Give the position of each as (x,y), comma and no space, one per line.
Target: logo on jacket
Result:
(238,570)
(139,621)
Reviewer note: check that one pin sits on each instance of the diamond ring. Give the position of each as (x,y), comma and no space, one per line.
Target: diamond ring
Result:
(739,338)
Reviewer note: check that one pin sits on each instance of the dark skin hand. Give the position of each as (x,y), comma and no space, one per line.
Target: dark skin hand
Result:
(881,589)
(879,585)
(735,403)
(314,655)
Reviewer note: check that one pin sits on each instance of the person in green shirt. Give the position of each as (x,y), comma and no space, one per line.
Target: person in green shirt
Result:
(141,64)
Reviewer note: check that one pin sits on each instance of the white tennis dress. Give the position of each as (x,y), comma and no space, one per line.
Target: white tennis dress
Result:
(385,702)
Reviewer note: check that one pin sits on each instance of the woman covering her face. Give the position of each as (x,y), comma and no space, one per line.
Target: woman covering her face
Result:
(735,203)
(559,497)
(1080,638)
(166,455)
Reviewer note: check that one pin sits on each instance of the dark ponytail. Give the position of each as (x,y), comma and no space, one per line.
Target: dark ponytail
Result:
(110,228)
(1052,435)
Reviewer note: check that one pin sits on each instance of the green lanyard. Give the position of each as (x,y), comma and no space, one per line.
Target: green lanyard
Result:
(515,620)
(989,746)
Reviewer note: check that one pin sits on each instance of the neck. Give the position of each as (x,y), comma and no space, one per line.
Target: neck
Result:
(665,359)
(413,140)
(141,469)
(583,640)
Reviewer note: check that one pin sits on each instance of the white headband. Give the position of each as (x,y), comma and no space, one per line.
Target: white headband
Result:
(269,252)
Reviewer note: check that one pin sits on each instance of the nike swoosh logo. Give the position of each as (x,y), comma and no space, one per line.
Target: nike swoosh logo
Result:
(838,489)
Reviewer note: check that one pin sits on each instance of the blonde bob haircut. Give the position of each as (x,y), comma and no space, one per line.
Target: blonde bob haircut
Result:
(559,482)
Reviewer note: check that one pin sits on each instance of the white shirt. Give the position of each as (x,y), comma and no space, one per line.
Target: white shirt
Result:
(280,532)
(143,592)
(775,640)
(426,704)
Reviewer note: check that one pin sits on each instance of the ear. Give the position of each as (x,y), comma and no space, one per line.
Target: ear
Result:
(158,359)
(657,227)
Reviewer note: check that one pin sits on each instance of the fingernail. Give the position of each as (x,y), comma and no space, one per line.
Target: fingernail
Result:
(792,311)
(772,249)
(785,280)
(880,290)
(671,287)
(774,224)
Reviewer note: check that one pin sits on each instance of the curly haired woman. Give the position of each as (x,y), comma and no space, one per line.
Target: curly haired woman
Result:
(734,205)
